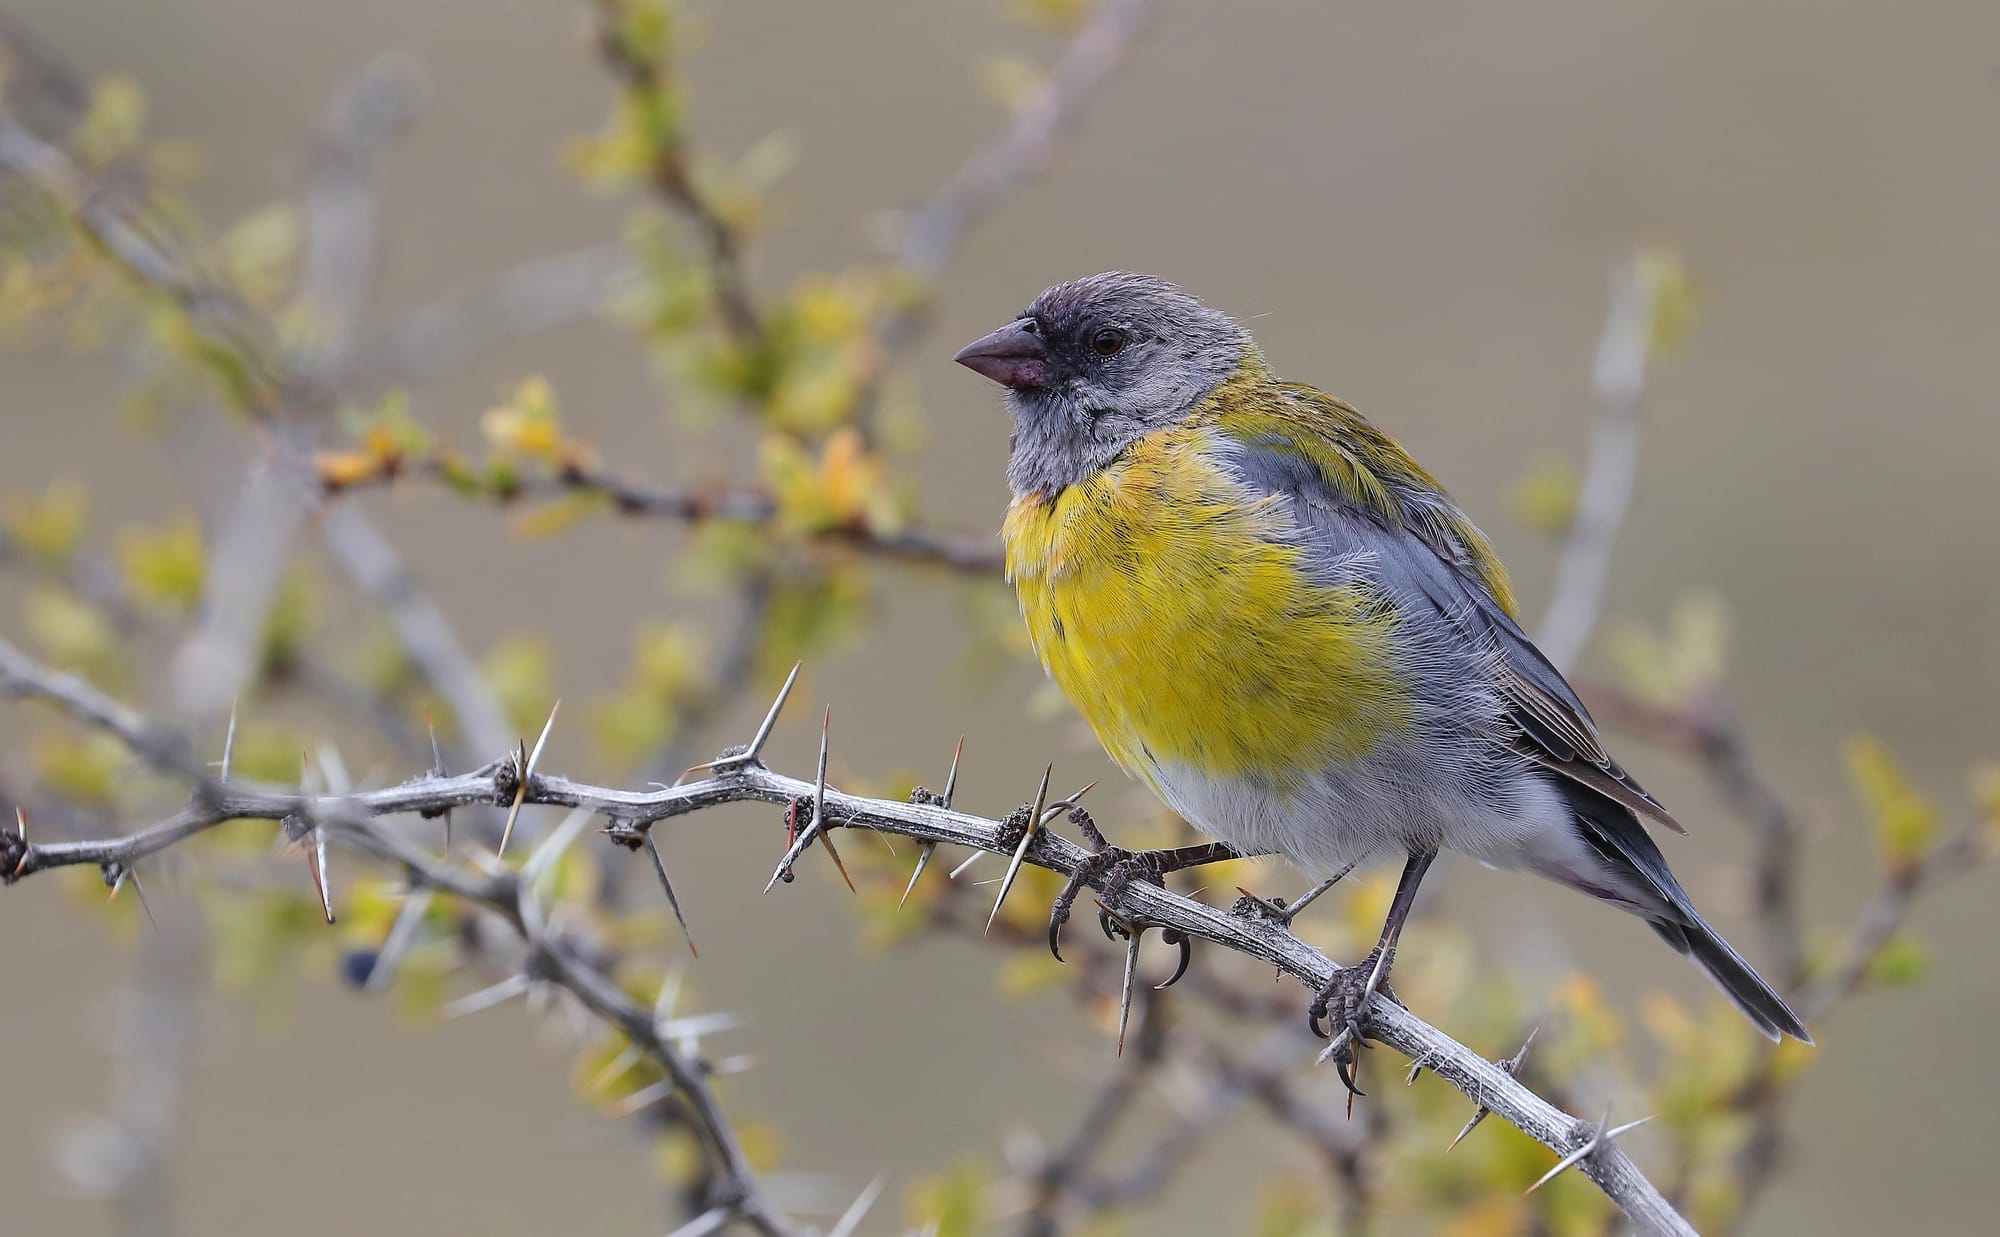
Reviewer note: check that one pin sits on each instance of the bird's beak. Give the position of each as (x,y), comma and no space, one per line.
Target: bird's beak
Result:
(1012,356)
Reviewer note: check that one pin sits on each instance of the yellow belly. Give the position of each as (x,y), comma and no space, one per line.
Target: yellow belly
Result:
(1165,604)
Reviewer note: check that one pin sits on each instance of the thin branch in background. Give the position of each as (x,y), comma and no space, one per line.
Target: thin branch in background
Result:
(739,505)
(378,571)
(1618,380)
(930,233)
(673,181)
(531,299)
(246,563)
(123,1157)
(1108,1110)
(365,115)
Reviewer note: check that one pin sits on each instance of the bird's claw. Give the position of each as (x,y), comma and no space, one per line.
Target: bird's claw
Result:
(1111,870)
(1341,1004)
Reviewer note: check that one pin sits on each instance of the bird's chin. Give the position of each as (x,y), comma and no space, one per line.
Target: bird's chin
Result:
(1014,373)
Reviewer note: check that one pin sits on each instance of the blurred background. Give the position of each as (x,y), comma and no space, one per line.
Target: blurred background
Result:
(1416,207)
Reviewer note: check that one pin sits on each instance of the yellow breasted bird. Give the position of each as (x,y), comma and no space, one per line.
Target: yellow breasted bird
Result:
(1276,619)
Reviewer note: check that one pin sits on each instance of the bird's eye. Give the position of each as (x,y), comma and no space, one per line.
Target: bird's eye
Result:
(1107,341)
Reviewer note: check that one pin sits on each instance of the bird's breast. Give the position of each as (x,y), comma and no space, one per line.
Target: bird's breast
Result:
(1176,610)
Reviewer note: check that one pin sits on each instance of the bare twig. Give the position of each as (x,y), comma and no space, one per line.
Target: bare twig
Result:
(1618,380)
(536,296)
(932,231)
(364,116)
(755,507)
(378,571)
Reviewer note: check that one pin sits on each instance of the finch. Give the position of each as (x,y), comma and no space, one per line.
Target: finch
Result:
(1279,622)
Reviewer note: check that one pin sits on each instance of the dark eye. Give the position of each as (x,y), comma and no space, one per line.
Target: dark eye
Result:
(1107,341)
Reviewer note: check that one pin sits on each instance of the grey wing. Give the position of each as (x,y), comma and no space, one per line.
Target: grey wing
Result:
(1550,724)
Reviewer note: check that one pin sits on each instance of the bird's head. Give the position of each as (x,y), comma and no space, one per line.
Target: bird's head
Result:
(1097,363)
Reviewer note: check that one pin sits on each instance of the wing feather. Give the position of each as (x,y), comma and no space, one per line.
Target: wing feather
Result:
(1445,558)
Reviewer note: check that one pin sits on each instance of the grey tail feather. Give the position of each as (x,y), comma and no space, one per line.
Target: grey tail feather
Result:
(1691,936)
(1622,843)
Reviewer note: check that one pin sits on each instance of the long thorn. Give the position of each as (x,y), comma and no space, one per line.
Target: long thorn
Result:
(1131,976)
(229,742)
(316,863)
(21,830)
(969,861)
(754,752)
(944,801)
(1603,1136)
(669,995)
(520,796)
(524,763)
(551,849)
(799,841)
(124,875)
(402,935)
(1479,1114)
(826,840)
(816,827)
(819,791)
(770,721)
(642,1099)
(850,1221)
(144,905)
(437,749)
(1021,851)
(660,870)
(1619,1131)
(923,861)
(535,757)
(711,1221)
(437,768)
(951,778)
(1509,1065)
(615,1068)
(486,998)
(1312,895)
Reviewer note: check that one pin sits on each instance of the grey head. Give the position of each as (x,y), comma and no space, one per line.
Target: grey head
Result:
(1094,365)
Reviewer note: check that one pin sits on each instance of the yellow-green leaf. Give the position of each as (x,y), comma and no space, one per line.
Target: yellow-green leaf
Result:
(1905,823)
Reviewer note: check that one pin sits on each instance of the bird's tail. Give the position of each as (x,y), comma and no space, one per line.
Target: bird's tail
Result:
(1635,862)
(1690,934)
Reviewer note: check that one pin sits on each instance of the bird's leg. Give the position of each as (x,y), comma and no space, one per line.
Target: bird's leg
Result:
(1111,868)
(1347,994)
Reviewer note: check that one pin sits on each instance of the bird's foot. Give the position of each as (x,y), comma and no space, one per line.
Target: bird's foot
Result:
(1336,1012)
(1113,869)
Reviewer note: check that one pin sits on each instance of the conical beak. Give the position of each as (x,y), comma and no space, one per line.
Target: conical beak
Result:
(1012,356)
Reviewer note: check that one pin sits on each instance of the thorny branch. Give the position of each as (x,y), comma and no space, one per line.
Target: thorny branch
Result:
(551,955)
(355,819)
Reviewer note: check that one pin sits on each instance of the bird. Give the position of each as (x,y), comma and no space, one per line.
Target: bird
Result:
(1279,622)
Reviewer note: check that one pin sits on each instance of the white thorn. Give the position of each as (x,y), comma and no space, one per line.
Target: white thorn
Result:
(851,1220)
(543,858)
(486,998)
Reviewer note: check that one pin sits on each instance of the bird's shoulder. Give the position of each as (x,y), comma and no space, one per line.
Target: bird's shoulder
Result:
(1356,488)
(1293,437)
